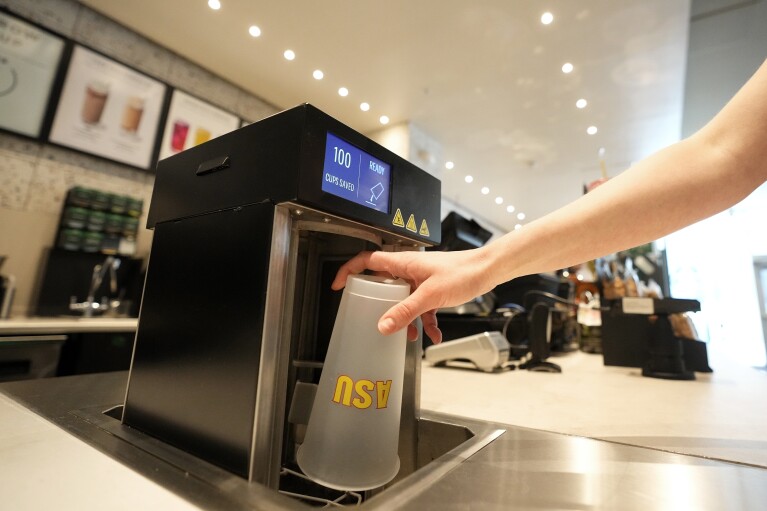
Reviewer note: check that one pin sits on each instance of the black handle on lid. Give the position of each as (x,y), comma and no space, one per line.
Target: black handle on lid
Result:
(216,164)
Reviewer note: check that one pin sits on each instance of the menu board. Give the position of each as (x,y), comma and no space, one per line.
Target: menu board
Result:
(191,122)
(29,58)
(108,109)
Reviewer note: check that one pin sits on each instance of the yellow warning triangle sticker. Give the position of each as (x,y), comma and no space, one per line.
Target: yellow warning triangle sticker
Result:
(411,224)
(424,228)
(398,220)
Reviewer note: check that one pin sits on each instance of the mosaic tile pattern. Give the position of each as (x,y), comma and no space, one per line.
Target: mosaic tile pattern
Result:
(55,175)
(16,144)
(57,15)
(103,34)
(36,177)
(252,109)
(16,173)
(202,83)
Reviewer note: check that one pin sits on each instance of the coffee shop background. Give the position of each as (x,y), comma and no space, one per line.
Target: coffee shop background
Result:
(715,261)
(36,176)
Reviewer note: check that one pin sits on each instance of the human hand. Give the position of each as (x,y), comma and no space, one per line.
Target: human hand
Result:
(437,279)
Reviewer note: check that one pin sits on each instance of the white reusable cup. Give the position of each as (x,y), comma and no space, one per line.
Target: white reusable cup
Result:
(353,432)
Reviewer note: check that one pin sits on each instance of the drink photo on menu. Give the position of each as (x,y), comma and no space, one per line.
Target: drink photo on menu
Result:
(108,109)
(192,122)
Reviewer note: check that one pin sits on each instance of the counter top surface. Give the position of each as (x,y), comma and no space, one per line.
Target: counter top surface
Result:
(65,325)
(43,466)
(33,474)
(48,440)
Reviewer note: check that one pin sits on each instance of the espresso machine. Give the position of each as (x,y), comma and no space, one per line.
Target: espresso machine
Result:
(237,312)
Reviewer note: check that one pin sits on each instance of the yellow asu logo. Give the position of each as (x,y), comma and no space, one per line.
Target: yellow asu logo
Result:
(363,392)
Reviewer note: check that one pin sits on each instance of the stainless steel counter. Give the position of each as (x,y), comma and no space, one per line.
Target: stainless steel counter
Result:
(719,415)
(508,467)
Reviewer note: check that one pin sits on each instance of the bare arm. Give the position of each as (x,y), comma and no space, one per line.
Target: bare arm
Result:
(708,172)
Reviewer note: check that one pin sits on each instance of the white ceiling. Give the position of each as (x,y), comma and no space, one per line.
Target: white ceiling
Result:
(481,78)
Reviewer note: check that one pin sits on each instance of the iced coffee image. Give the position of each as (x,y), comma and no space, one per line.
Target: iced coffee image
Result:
(96,93)
(132,112)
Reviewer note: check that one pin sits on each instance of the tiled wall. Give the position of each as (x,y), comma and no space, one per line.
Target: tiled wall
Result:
(35,177)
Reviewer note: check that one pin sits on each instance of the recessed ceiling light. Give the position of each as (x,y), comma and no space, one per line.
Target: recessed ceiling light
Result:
(449,165)
(510,209)
(567,68)
(485,190)
(289,54)
(520,216)
(581,103)
(214,4)
(592,130)
(499,200)
(364,107)
(254,31)
(547,18)
(468,179)
(383,119)
(343,92)
(318,75)
(518,226)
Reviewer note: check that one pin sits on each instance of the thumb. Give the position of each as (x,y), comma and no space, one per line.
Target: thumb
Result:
(404,313)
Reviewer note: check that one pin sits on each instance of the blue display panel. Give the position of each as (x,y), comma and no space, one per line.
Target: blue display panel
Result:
(354,175)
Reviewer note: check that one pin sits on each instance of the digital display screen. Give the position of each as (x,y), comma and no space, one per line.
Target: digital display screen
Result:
(354,175)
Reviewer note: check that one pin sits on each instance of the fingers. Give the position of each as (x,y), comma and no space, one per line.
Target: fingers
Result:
(353,266)
(430,327)
(405,312)
(377,261)
(402,315)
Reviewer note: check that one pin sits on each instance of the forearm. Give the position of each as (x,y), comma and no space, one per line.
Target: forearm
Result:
(691,180)
(665,192)
(686,182)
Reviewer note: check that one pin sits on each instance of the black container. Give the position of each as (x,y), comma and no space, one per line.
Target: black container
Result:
(459,233)
(526,291)
(100,200)
(74,217)
(92,242)
(96,221)
(645,341)
(70,239)
(113,224)
(118,204)
(134,207)
(79,196)
(130,226)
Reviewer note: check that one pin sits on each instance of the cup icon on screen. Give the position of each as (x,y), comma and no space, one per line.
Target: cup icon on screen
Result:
(96,94)
(375,193)
(178,137)
(132,112)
